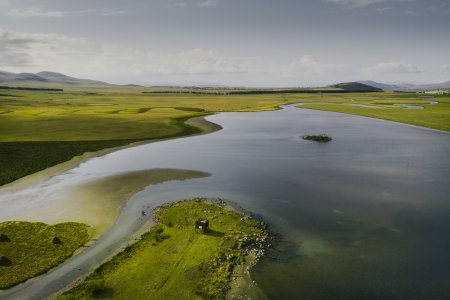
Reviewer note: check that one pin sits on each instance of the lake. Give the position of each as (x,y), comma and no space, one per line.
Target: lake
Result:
(365,216)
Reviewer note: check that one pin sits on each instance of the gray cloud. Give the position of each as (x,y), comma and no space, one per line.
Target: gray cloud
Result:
(19,49)
(13,50)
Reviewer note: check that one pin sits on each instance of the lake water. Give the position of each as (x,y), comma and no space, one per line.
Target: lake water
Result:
(365,216)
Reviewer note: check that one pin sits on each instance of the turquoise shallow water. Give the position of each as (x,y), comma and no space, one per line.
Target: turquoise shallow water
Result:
(366,216)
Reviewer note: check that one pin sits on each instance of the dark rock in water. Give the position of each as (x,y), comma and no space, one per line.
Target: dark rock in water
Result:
(317,138)
(4,238)
(57,240)
(5,262)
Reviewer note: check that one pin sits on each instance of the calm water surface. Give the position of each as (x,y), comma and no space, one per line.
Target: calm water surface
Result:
(366,216)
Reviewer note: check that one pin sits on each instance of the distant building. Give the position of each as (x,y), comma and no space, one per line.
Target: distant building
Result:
(436,92)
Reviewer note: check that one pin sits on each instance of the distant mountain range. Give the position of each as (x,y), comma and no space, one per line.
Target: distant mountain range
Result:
(52,79)
(46,79)
(407,86)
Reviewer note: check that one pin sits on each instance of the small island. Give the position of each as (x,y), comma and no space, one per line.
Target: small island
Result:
(317,138)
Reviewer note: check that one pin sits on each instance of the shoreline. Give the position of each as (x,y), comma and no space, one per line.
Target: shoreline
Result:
(372,118)
(41,176)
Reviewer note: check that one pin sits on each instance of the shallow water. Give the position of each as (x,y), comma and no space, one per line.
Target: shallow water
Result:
(362,217)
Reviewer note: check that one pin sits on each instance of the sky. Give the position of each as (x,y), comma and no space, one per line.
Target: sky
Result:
(260,43)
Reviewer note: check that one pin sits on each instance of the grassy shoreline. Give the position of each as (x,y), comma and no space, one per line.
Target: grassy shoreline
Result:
(174,261)
(32,249)
(40,155)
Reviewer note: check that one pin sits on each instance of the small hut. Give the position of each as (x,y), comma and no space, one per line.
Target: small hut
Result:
(202,225)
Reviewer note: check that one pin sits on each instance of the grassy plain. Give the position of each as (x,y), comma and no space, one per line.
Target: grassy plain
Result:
(30,248)
(40,129)
(174,260)
(43,128)
(386,106)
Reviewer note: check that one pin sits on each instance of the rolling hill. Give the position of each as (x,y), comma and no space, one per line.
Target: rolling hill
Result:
(356,87)
(408,86)
(46,79)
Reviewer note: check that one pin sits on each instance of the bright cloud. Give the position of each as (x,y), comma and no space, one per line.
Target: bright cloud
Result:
(393,68)
(62,53)
(360,3)
(36,12)
(308,65)
(209,3)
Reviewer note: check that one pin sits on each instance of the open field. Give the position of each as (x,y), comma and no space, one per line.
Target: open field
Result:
(174,260)
(387,106)
(42,128)
(29,249)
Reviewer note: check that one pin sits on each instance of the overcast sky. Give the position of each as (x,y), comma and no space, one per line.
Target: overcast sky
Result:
(233,42)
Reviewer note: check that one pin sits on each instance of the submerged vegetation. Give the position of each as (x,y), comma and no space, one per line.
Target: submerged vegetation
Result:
(29,249)
(174,260)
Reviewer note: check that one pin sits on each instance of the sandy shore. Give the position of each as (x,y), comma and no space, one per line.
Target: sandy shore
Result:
(96,203)
(41,176)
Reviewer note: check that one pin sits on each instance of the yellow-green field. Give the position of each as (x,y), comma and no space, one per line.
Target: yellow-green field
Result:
(386,106)
(40,129)
(110,114)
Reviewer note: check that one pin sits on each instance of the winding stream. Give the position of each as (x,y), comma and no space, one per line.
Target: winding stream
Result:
(365,216)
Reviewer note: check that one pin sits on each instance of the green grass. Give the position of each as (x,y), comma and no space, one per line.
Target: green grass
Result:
(31,249)
(19,159)
(173,260)
(436,116)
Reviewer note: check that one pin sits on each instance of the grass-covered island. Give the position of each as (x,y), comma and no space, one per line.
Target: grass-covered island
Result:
(176,260)
(29,249)
(317,138)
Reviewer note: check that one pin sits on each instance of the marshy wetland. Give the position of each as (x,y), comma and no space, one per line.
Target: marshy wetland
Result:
(364,216)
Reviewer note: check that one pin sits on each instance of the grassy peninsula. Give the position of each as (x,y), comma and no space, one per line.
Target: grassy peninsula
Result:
(29,249)
(176,261)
